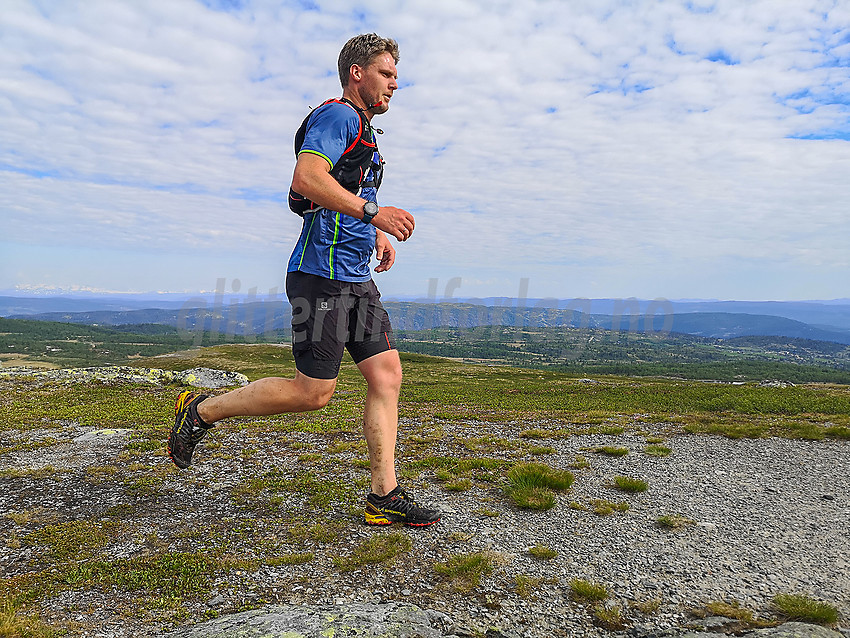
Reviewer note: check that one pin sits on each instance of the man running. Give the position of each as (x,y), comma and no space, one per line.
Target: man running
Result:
(335,303)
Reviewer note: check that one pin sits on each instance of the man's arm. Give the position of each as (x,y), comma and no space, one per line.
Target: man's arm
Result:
(312,180)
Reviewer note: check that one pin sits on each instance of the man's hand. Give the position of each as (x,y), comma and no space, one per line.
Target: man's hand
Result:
(384,251)
(396,221)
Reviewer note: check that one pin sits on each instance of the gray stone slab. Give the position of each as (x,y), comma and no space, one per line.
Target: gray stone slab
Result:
(391,620)
(98,436)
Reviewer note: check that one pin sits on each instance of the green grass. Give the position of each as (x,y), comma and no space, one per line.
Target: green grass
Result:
(380,548)
(632,485)
(746,618)
(73,539)
(610,618)
(541,552)
(464,571)
(580,463)
(15,624)
(459,485)
(526,585)
(647,607)
(601,507)
(804,608)
(290,559)
(318,492)
(587,591)
(172,576)
(610,450)
(657,450)
(531,485)
(674,522)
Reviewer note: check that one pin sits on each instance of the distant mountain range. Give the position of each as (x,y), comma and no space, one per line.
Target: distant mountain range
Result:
(822,321)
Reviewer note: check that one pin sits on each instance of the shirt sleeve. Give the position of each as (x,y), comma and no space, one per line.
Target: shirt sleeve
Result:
(331,129)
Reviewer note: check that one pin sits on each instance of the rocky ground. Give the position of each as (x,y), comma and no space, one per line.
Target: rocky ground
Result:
(765,517)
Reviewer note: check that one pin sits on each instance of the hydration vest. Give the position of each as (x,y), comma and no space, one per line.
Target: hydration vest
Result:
(352,168)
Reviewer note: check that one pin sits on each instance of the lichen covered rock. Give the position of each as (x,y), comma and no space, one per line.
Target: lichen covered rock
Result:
(197,377)
(391,620)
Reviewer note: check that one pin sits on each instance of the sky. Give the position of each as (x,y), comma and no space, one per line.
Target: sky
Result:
(696,149)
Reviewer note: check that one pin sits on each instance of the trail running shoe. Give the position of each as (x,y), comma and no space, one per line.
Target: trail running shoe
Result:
(398,507)
(188,429)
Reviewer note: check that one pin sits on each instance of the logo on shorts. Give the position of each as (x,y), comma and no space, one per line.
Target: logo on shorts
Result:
(323,305)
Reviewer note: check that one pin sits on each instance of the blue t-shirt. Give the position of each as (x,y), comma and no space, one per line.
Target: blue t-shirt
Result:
(333,245)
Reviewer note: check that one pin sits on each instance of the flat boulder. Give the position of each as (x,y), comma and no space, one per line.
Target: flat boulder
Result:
(390,620)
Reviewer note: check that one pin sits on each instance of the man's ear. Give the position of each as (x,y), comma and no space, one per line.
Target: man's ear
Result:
(356,72)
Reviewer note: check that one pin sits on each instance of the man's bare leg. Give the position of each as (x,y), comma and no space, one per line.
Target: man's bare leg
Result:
(380,418)
(271,395)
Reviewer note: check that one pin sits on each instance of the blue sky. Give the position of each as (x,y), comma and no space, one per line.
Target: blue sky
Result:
(596,149)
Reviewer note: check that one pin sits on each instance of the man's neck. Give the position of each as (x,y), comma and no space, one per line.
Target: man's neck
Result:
(352,97)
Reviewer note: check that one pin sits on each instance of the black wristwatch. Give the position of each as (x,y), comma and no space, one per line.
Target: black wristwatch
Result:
(370,209)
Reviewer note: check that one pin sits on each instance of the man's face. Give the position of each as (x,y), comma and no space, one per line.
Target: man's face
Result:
(377,83)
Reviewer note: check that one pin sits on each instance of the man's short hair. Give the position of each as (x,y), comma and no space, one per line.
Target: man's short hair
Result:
(361,50)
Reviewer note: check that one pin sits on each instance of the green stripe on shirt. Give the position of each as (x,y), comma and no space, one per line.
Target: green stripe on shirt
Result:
(322,155)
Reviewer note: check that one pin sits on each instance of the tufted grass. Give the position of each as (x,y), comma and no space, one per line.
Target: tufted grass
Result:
(531,485)
(15,624)
(602,507)
(587,591)
(380,548)
(464,571)
(632,485)
(804,608)
(610,450)
(610,618)
(542,552)
(674,522)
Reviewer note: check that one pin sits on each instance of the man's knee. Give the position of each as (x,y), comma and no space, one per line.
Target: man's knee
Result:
(384,372)
(316,393)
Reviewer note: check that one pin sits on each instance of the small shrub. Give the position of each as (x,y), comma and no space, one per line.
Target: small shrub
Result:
(626,484)
(541,552)
(804,608)
(586,591)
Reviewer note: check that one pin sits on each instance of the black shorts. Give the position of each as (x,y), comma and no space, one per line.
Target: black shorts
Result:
(329,316)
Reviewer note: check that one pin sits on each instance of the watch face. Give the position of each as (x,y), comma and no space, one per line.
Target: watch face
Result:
(370,208)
